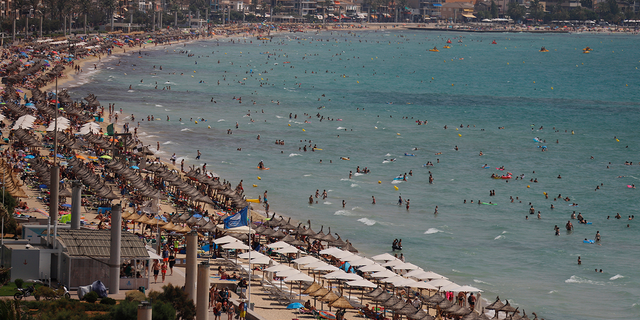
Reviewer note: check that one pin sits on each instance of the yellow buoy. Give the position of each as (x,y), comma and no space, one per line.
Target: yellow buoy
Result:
(551,88)
(431,78)
(507,62)
(395,187)
(398,133)
(358,81)
(452,84)
(196,122)
(379,182)
(544,193)
(255,185)
(572,132)
(259,178)
(456,129)
(459,135)
(289,124)
(528,186)
(209,127)
(303,130)
(194,71)
(534,82)
(617,140)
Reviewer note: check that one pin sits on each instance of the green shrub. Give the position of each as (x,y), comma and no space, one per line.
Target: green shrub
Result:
(163,311)
(19,283)
(185,308)
(126,310)
(108,301)
(44,292)
(135,295)
(91,297)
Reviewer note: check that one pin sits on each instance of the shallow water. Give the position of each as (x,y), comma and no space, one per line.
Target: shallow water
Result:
(371,80)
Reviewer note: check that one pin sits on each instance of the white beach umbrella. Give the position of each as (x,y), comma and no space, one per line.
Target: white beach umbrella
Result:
(289,249)
(467,289)
(393,279)
(261,260)
(326,268)
(63,124)
(316,264)
(372,268)
(392,263)
(384,274)
(405,266)
(251,254)
(298,277)
(332,275)
(278,267)
(225,239)
(450,287)
(383,257)
(406,283)
(361,283)
(431,276)
(361,262)
(236,245)
(330,251)
(305,260)
(279,244)
(347,276)
(424,285)
(439,282)
(352,257)
(415,273)
(287,273)
(343,255)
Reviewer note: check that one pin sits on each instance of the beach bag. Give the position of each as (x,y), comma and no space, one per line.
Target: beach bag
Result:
(82,290)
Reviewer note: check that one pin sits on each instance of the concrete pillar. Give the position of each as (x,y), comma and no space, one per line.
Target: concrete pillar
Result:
(202,307)
(54,187)
(192,265)
(76,202)
(158,241)
(145,311)
(114,260)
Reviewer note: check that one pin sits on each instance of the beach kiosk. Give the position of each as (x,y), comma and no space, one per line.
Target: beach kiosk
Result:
(85,258)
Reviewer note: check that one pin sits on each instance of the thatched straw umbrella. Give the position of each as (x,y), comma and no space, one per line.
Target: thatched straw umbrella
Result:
(329,297)
(341,303)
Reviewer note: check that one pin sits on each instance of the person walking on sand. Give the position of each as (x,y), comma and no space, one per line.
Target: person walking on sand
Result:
(156,270)
(164,271)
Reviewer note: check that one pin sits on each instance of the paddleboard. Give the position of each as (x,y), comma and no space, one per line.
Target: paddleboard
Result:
(263,168)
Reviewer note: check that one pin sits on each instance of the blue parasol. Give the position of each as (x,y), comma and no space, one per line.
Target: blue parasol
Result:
(295,305)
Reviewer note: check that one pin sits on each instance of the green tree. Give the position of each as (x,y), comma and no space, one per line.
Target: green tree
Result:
(125,310)
(516,11)
(535,10)
(163,311)
(12,310)
(613,7)
(185,308)
(587,3)
(494,9)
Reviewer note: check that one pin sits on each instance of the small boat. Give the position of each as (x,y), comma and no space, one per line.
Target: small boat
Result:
(434,50)
(494,42)
(446,47)
(448,40)
(544,50)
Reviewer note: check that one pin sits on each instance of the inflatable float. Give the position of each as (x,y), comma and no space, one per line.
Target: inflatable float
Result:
(588,241)
(345,158)
(446,47)
(253,200)
(262,168)
(409,154)
(434,50)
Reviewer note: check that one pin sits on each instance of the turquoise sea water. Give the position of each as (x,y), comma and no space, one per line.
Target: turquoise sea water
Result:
(371,80)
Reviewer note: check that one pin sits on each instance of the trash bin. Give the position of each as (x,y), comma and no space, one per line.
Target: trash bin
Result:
(141,289)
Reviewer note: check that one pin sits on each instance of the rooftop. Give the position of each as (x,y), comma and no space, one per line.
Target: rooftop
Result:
(97,243)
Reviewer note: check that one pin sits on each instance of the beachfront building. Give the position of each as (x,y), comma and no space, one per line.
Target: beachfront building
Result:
(84,258)
(457,11)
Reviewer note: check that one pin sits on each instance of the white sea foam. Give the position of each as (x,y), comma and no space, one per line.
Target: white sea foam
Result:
(358,174)
(131,91)
(326,202)
(366,221)
(295,155)
(343,213)
(279,117)
(498,237)
(345,179)
(186,129)
(222,120)
(168,142)
(396,181)
(159,106)
(152,136)
(480,281)
(307,175)
(432,231)
(388,155)
(576,279)
(354,185)
(385,161)
(617,276)
(456,271)
(552,291)
(340,128)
